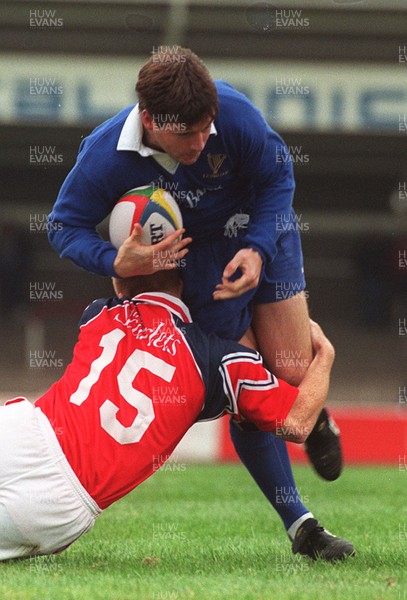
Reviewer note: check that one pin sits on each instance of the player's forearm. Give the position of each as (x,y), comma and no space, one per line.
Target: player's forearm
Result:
(311,398)
(84,247)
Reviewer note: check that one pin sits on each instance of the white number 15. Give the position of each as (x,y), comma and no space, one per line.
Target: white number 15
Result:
(139,359)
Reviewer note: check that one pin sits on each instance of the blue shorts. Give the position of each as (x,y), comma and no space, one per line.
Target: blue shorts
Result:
(205,262)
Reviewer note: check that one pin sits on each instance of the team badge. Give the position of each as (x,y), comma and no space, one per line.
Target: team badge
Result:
(215,162)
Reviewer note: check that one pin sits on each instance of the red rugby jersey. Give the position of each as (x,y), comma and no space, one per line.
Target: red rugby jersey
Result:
(142,373)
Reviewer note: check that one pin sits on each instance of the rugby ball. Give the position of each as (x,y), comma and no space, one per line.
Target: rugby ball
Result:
(154,208)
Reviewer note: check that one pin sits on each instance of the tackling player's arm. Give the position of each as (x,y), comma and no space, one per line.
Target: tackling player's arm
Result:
(313,390)
(274,405)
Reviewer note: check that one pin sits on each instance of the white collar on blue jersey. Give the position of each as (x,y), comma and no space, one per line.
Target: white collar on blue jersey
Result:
(175,305)
(131,138)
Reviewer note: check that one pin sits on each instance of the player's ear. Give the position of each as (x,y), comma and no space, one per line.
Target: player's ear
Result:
(147,119)
(117,287)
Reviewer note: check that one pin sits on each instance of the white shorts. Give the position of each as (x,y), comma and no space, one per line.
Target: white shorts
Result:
(43,505)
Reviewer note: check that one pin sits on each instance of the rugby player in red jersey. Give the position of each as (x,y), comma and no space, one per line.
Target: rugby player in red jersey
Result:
(97,432)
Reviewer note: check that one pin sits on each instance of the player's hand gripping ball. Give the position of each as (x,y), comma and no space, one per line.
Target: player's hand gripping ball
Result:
(154,208)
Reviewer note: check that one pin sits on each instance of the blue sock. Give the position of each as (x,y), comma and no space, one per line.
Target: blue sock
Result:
(266,459)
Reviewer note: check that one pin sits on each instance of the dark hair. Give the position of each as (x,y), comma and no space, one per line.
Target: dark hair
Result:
(162,281)
(175,81)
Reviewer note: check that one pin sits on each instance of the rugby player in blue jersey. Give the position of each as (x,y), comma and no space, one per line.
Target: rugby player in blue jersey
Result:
(207,145)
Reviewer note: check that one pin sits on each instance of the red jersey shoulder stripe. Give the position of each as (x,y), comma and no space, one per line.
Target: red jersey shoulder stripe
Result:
(175,305)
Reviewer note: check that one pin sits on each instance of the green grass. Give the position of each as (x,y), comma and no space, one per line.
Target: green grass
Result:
(207,533)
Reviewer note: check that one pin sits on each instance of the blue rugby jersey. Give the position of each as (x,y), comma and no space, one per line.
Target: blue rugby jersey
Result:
(243,169)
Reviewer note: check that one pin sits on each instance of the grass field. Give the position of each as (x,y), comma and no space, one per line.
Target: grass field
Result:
(206,533)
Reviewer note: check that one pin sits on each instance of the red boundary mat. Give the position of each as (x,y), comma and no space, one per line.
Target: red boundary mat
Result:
(370,435)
